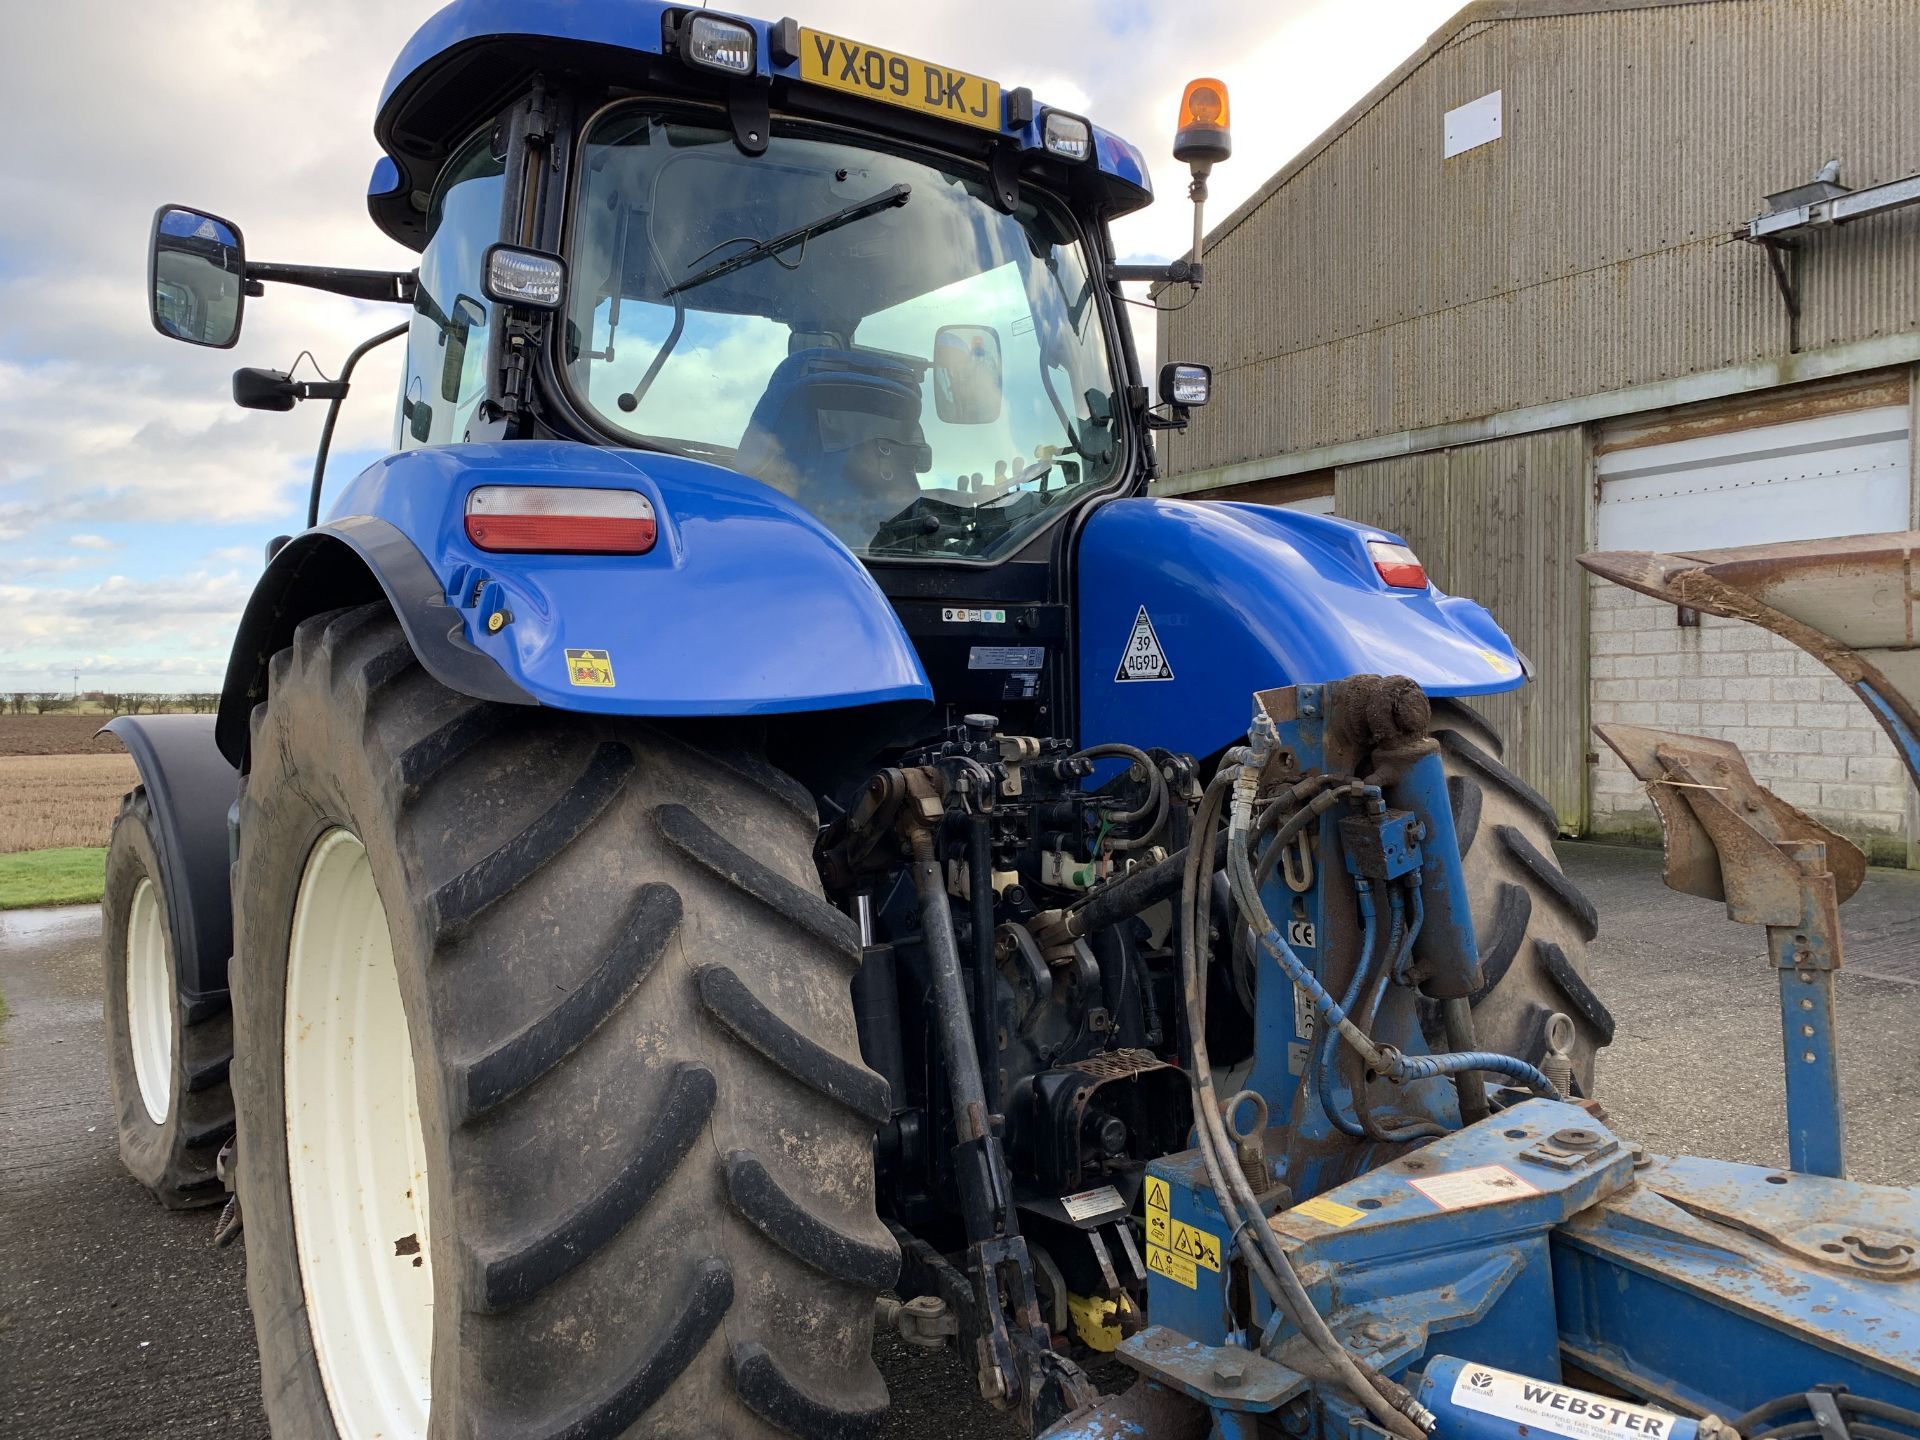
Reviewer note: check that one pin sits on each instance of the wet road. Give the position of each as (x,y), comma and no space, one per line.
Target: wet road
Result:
(118,1319)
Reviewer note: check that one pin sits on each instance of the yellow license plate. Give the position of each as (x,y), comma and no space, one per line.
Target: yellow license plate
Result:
(898,80)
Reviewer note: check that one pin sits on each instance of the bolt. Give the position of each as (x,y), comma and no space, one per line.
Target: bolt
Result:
(497,621)
(1229,1371)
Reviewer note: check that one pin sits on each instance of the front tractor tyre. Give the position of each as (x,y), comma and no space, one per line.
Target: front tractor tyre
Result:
(552,1119)
(168,1055)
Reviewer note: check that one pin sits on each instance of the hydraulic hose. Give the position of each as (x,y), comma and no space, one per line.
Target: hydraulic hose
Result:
(1383,1059)
(1389,1403)
(1325,1051)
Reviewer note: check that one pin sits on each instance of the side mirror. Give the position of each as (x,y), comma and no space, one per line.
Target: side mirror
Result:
(1185,386)
(196,277)
(967,383)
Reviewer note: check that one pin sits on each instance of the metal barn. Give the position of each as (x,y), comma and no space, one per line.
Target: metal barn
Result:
(1625,274)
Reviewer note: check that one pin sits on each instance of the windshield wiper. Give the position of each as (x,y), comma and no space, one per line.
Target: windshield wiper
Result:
(761,249)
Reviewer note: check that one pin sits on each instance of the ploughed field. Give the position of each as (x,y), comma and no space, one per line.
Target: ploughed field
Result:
(60,785)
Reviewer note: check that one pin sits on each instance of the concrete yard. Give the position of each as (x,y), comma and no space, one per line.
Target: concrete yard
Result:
(118,1319)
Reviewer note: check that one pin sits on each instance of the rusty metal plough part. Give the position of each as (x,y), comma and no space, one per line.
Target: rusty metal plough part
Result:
(1852,603)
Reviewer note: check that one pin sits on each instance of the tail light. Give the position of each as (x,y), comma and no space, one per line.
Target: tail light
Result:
(560,520)
(1398,565)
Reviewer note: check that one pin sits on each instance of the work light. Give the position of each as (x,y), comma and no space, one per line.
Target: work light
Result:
(513,276)
(1067,136)
(1185,384)
(716,44)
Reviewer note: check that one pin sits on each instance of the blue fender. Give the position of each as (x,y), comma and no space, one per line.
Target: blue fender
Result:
(1242,598)
(746,605)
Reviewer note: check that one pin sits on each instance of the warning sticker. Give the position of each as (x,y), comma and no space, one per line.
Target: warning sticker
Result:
(1175,1267)
(1143,659)
(1566,1412)
(1303,1016)
(1482,1185)
(1159,1223)
(1496,663)
(1089,1203)
(1189,1244)
(1196,1244)
(589,667)
(1328,1212)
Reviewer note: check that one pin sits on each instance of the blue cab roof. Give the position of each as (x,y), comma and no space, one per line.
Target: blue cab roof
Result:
(475,51)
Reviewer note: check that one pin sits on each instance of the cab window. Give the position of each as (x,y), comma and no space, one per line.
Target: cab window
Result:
(447,345)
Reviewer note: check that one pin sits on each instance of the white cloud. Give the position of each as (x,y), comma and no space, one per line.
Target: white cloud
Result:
(92,542)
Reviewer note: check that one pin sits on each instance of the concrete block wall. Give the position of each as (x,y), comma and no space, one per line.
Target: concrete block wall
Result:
(1804,734)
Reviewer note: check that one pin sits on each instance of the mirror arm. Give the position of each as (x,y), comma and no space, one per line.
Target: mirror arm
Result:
(395,286)
(1180,272)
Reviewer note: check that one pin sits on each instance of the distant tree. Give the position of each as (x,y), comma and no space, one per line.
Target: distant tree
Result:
(109,701)
(45,700)
(17,702)
(135,701)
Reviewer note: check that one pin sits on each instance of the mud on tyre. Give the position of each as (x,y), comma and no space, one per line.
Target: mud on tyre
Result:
(645,1130)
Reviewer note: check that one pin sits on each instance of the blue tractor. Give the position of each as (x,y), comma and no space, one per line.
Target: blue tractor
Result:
(752,822)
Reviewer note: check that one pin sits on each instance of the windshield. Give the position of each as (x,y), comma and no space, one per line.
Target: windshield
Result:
(867,333)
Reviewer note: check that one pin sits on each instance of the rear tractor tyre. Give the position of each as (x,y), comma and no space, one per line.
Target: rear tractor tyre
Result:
(553,1121)
(1533,923)
(172,1105)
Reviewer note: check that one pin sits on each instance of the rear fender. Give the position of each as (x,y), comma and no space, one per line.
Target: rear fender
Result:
(1242,598)
(746,605)
(190,788)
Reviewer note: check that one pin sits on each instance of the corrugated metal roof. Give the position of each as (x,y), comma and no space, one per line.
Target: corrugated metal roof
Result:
(1469,17)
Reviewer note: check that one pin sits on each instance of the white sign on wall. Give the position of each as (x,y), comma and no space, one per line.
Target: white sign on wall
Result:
(1469,126)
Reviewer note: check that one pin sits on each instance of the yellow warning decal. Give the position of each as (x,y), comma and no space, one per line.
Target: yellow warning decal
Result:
(589,667)
(1328,1212)
(1196,1244)
(1189,1245)
(1175,1267)
(1498,663)
(1159,1223)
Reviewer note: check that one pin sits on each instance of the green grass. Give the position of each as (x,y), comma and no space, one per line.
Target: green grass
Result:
(52,877)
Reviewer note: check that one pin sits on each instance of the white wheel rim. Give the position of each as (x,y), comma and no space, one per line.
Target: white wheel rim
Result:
(150,1003)
(356,1153)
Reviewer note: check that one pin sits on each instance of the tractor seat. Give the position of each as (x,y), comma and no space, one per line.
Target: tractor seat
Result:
(839,431)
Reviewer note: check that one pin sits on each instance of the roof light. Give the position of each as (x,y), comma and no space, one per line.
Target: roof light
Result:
(716,44)
(556,520)
(1397,564)
(532,278)
(1202,137)
(1067,136)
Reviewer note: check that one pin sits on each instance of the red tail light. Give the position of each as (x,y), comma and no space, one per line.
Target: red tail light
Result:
(558,520)
(1398,565)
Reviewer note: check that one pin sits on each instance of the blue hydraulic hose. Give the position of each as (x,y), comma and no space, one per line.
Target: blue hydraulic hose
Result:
(1387,1060)
(1324,1040)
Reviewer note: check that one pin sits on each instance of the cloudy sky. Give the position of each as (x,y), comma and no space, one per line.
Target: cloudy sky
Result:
(135,498)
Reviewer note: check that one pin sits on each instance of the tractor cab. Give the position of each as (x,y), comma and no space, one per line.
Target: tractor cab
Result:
(880,286)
